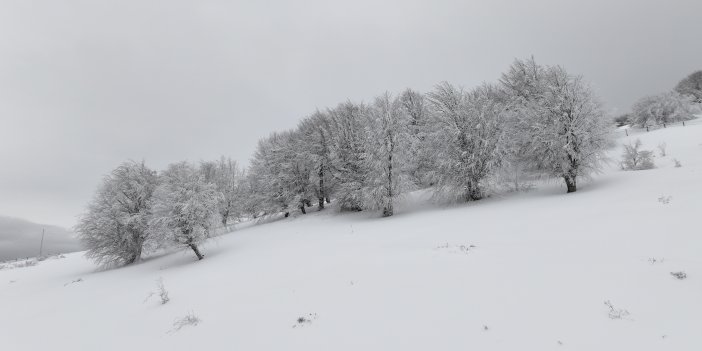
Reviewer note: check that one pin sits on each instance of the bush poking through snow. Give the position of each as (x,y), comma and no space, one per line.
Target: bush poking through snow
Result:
(677,163)
(665,199)
(634,159)
(679,275)
(616,313)
(301,321)
(661,149)
(75,281)
(189,319)
(161,292)
(465,249)
(654,260)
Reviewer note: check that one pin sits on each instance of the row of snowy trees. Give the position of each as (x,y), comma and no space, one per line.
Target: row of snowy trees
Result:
(363,156)
(136,209)
(677,105)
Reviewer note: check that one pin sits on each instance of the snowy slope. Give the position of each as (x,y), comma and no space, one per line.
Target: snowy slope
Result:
(542,266)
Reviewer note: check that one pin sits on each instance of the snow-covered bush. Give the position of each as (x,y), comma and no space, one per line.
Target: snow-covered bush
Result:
(185,206)
(114,228)
(677,163)
(634,159)
(661,149)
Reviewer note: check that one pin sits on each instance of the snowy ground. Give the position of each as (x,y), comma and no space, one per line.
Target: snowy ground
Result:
(529,271)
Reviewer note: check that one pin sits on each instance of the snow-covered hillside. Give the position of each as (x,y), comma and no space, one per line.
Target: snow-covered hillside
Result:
(528,271)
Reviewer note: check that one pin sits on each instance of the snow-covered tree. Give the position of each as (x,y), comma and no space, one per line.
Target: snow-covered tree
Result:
(663,108)
(348,153)
(282,169)
(523,82)
(185,207)
(560,128)
(227,177)
(420,165)
(691,86)
(114,228)
(466,138)
(387,131)
(315,146)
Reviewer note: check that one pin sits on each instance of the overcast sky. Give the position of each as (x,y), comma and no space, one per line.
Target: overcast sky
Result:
(87,84)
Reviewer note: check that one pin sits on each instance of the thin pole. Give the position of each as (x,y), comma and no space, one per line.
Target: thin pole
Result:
(41,246)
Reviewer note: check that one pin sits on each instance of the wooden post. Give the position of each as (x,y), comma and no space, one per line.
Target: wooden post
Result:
(647,128)
(41,246)
(627,132)
(683,123)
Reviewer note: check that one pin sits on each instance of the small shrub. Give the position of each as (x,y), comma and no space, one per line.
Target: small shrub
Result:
(73,282)
(616,313)
(189,319)
(679,275)
(661,149)
(677,163)
(665,199)
(635,159)
(304,320)
(160,291)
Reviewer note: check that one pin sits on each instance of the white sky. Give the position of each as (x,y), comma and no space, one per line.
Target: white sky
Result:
(85,85)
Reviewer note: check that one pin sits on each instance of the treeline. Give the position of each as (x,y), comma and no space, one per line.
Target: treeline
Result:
(362,156)
(676,105)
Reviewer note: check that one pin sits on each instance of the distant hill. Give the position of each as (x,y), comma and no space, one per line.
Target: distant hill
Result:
(20,238)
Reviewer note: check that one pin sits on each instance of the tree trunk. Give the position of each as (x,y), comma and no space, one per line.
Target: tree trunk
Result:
(136,255)
(321,187)
(287,214)
(197,251)
(225,216)
(302,208)
(473,192)
(388,211)
(570,183)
